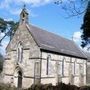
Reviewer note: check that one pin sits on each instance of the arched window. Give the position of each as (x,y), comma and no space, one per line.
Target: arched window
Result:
(48,62)
(59,68)
(81,69)
(81,75)
(37,68)
(63,61)
(74,67)
(20,52)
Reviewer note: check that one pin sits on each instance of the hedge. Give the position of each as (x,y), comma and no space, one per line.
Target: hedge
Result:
(60,86)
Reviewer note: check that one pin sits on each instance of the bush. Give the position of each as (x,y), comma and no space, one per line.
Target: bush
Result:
(6,87)
(59,86)
(85,88)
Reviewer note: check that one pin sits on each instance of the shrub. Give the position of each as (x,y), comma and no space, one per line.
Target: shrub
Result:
(85,88)
(59,86)
(6,87)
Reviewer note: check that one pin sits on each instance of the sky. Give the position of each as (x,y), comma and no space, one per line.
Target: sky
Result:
(44,14)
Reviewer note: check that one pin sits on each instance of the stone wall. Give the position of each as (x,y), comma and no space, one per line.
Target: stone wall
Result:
(70,69)
(88,73)
(30,52)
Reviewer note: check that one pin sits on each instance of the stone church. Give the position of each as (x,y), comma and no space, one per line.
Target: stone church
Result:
(88,69)
(37,56)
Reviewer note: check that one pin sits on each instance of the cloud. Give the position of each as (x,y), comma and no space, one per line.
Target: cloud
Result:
(34,2)
(8,19)
(12,6)
(6,3)
(15,11)
(77,36)
(77,40)
(1,35)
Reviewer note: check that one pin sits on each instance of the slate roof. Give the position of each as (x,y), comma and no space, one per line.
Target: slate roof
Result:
(88,56)
(55,43)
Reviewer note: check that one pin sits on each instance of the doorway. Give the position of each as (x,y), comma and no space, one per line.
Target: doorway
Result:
(19,79)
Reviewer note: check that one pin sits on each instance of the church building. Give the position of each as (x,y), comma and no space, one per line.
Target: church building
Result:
(37,56)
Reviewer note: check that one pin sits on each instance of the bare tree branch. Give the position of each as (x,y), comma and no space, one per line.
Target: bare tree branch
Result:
(73,7)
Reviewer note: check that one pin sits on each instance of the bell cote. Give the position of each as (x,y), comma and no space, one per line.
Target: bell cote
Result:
(24,15)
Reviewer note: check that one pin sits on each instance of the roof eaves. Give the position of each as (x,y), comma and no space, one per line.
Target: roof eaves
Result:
(61,53)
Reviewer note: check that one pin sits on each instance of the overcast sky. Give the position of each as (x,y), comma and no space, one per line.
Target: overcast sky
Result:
(44,14)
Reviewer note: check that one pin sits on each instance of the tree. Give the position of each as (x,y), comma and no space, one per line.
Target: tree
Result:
(1,63)
(73,7)
(86,27)
(7,27)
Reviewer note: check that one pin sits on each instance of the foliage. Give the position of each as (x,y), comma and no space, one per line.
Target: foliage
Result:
(60,86)
(7,27)
(86,27)
(3,25)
